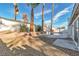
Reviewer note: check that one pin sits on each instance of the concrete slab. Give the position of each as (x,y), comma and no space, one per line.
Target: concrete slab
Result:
(65,44)
(58,36)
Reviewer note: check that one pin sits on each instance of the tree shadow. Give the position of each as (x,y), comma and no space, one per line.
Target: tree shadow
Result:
(29,51)
(68,51)
(65,50)
(4,50)
(47,40)
(34,46)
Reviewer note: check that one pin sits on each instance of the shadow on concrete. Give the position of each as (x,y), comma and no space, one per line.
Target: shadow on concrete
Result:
(65,50)
(47,40)
(68,51)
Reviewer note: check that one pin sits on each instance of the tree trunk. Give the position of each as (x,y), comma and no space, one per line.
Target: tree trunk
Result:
(14,13)
(32,21)
(52,18)
(43,18)
(25,21)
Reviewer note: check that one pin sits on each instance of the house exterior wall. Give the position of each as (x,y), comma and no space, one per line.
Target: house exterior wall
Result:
(6,24)
(70,31)
(74,31)
(74,26)
(77,32)
(9,25)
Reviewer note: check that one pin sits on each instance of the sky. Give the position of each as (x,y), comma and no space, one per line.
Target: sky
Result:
(62,12)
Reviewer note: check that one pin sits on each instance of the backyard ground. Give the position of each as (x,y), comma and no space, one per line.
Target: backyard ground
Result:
(24,44)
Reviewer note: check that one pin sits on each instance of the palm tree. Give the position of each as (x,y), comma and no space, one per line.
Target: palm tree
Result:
(33,5)
(25,21)
(16,10)
(43,17)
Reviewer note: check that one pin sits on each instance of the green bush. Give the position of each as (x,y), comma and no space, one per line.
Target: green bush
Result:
(38,28)
(23,28)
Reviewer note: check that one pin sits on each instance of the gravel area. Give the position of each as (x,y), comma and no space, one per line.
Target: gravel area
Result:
(27,52)
(5,51)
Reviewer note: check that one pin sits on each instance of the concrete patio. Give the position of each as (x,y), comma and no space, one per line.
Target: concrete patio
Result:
(60,40)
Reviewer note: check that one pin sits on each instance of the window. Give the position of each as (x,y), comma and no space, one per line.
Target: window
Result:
(77,25)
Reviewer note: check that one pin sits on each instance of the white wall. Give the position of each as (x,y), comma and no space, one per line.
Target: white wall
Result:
(8,25)
(8,22)
(70,32)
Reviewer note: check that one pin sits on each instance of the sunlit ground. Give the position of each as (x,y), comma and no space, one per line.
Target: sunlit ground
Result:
(17,40)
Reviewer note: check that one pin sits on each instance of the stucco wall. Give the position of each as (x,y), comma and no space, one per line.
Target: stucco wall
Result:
(9,25)
(8,22)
